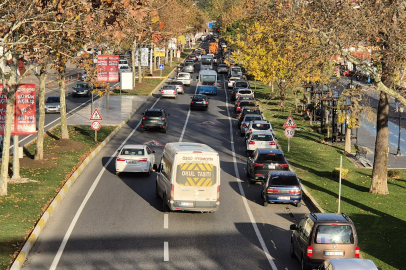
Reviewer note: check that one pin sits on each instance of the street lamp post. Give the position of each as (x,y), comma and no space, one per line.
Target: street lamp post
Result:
(400,109)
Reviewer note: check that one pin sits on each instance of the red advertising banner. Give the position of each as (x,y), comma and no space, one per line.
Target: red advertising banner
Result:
(24,120)
(107,68)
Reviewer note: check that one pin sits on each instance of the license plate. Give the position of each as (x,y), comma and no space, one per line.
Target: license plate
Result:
(207,92)
(271,166)
(154,121)
(284,198)
(199,102)
(185,204)
(334,253)
(132,161)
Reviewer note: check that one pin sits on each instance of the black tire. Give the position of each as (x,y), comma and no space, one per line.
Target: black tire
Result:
(118,173)
(164,130)
(298,204)
(303,265)
(148,174)
(292,250)
(156,190)
(142,129)
(265,203)
(247,173)
(165,207)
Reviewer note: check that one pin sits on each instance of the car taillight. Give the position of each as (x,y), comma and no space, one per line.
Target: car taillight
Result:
(238,109)
(229,81)
(272,143)
(244,125)
(163,118)
(120,159)
(309,251)
(258,165)
(174,92)
(191,102)
(251,142)
(204,102)
(142,160)
(357,252)
(214,84)
(284,165)
(162,91)
(271,190)
(143,118)
(295,191)
(250,130)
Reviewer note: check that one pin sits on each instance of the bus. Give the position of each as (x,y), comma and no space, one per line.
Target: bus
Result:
(207,82)
(206,62)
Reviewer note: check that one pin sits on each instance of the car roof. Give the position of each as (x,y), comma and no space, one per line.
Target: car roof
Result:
(250,108)
(261,132)
(137,146)
(284,173)
(153,110)
(330,217)
(269,151)
(353,264)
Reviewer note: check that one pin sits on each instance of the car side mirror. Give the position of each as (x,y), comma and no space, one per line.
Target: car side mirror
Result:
(156,168)
(293,227)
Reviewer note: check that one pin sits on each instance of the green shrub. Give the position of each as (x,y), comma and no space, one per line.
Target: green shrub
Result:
(336,172)
(393,173)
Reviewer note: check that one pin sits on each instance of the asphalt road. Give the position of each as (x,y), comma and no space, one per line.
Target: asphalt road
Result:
(116,222)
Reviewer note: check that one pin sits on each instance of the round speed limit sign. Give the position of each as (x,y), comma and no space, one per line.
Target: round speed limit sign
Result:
(289,132)
(96,125)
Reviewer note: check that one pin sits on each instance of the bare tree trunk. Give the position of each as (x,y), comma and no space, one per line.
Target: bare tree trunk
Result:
(379,184)
(151,57)
(39,152)
(64,121)
(133,50)
(347,143)
(282,95)
(139,66)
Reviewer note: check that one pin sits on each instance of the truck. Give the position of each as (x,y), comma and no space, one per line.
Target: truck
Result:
(213,48)
(189,177)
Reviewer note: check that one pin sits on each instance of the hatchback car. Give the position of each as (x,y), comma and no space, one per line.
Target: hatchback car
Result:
(248,110)
(179,86)
(244,84)
(169,91)
(346,264)
(246,121)
(188,66)
(321,236)
(243,91)
(259,126)
(82,89)
(282,187)
(135,158)
(243,98)
(155,119)
(231,81)
(53,104)
(245,103)
(262,161)
(258,139)
(184,77)
(222,68)
(199,102)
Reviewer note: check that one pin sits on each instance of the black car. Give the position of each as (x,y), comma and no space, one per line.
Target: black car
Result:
(199,102)
(82,89)
(245,103)
(247,110)
(154,119)
(282,187)
(264,160)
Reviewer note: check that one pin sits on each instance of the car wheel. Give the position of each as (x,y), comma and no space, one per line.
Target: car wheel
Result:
(303,265)
(142,129)
(242,134)
(148,173)
(298,204)
(156,190)
(164,130)
(247,172)
(118,173)
(265,203)
(292,250)
(165,207)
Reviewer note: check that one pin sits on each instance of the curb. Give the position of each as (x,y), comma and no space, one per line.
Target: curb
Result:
(22,255)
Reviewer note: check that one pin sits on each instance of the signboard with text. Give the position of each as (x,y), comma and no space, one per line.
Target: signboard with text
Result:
(24,120)
(159,52)
(107,68)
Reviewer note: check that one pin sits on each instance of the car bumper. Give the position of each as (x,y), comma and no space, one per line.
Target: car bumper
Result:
(199,206)
(283,198)
(126,167)
(52,110)
(199,106)
(168,95)
(80,93)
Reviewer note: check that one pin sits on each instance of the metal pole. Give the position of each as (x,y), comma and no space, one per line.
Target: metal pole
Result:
(288,144)
(400,130)
(91,107)
(339,189)
(95,135)
(16,161)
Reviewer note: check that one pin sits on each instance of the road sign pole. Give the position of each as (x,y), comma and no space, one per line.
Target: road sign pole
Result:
(288,144)
(95,135)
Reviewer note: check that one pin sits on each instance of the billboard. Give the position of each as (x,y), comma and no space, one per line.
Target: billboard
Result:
(107,68)
(144,57)
(159,52)
(24,118)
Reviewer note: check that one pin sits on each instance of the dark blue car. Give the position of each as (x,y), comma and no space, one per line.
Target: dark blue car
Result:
(282,187)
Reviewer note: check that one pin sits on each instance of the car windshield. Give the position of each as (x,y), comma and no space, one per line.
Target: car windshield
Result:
(81,85)
(199,98)
(187,64)
(168,87)
(262,137)
(261,126)
(183,76)
(252,118)
(153,114)
(283,180)
(274,158)
(123,67)
(132,152)
(122,62)
(334,234)
(53,100)
(207,61)
(236,69)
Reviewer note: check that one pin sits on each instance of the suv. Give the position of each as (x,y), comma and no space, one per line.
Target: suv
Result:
(154,119)
(264,160)
(321,236)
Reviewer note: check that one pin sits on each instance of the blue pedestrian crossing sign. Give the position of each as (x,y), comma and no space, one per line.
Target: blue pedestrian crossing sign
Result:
(161,66)
(211,24)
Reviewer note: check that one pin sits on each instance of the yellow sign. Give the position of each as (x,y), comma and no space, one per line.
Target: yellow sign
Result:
(196,174)
(182,40)
(159,52)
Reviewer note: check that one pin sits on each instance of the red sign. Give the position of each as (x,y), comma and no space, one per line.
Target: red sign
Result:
(96,115)
(96,125)
(289,132)
(107,68)
(290,122)
(24,120)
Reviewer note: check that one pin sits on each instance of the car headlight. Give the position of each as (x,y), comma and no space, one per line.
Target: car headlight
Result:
(74,90)
(45,107)
(58,106)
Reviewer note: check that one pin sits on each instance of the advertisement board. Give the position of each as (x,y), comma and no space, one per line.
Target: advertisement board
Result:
(144,57)
(107,68)
(24,118)
(159,52)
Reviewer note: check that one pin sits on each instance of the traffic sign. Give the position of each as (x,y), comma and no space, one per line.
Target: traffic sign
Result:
(289,132)
(96,125)
(290,122)
(161,66)
(96,115)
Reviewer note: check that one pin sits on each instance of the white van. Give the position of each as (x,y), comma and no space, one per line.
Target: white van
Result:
(189,177)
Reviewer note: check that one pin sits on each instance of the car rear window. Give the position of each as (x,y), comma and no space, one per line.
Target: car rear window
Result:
(274,158)
(252,118)
(243,84)
(199,98)
(153,114)
(132,152)
(168,87)
(244,92)
(261,126)
(183,76)
(251,111)
(189,64)
(334,234)
(176,83)
(262,137)
(81,85)
(283,181)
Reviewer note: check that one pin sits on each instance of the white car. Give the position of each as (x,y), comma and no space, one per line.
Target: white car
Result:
(184,77)
(124,69)
(246,121)
(231,81)
(135,158)
(258,125)
(169,91)
(122,62)
(259,139)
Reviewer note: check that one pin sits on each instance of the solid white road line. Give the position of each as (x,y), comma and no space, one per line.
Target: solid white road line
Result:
(89,193)
(187,119)
(166,221)
(244,199)
(166,252)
